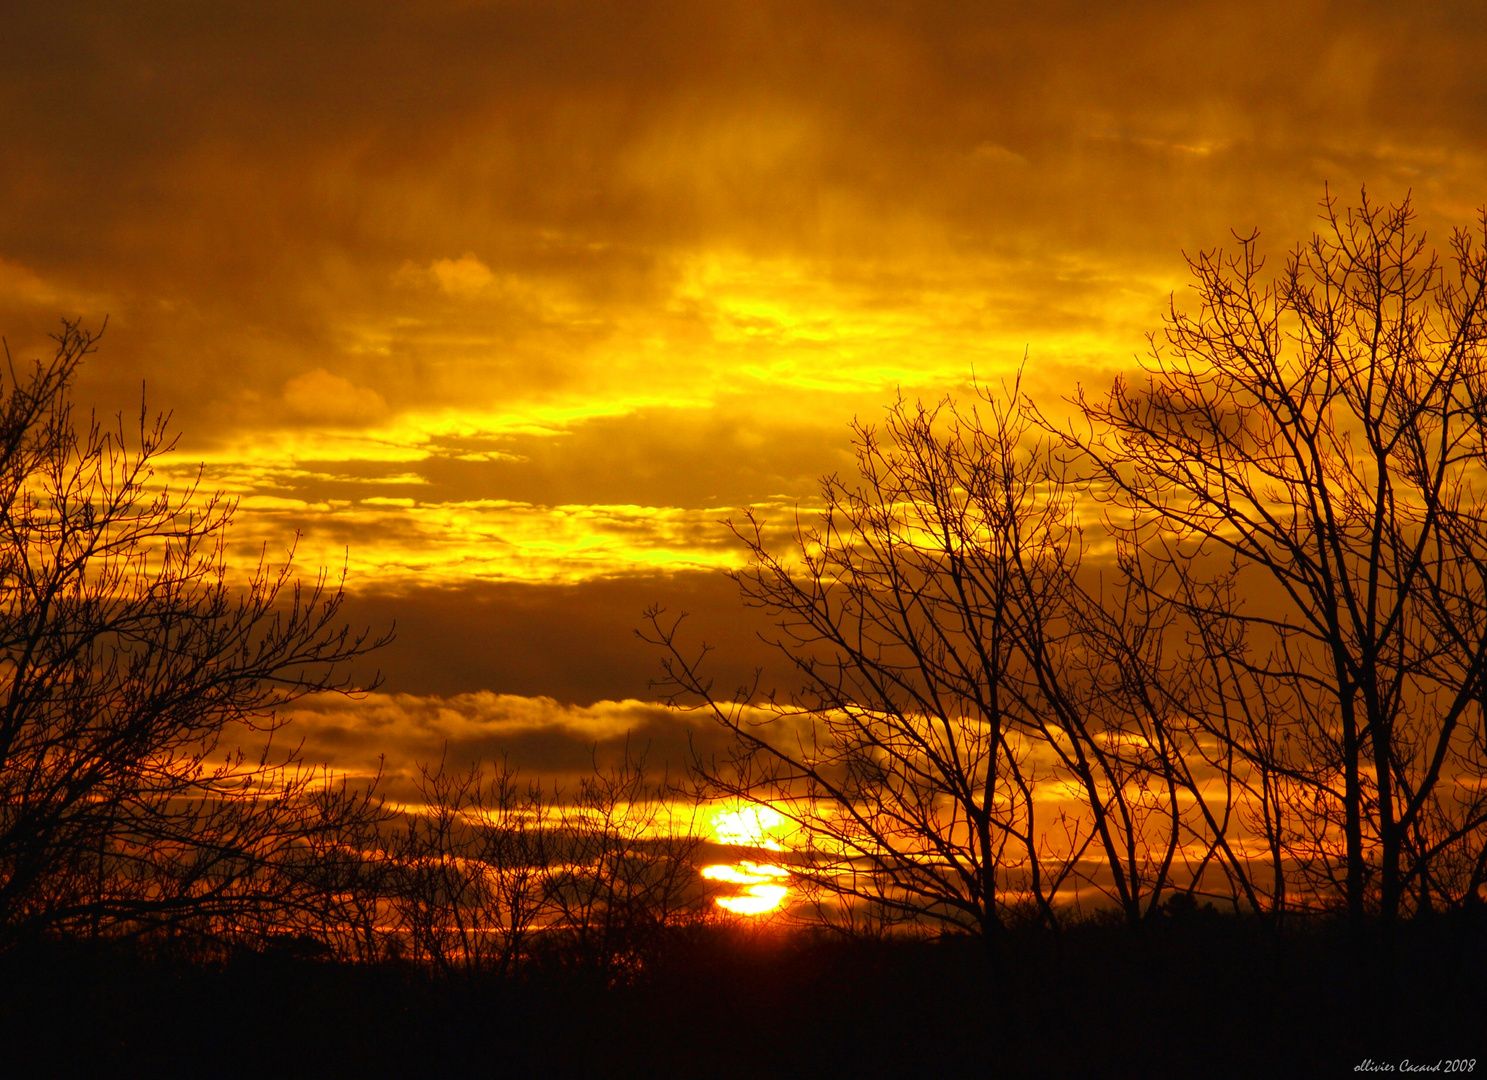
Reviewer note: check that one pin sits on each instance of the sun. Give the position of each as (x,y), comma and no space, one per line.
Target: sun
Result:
(761,886)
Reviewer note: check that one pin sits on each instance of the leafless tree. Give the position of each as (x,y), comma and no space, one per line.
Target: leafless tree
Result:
(489,872)
(980,721)
(130,663)
(1299,479)
(627,871)
(473,871)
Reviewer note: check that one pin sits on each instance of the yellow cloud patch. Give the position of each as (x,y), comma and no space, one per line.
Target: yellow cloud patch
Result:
(319,395)
(393,542)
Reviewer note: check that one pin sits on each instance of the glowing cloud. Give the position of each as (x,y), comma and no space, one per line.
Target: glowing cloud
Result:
(748,826)
(319,395)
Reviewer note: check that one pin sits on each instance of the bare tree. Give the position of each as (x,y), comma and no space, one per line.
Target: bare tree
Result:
(1300,479)
(626,872)
(979,723)
(489,873)
(129,663)
(474,866)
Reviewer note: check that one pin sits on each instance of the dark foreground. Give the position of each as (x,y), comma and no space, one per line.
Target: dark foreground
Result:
(1196,997)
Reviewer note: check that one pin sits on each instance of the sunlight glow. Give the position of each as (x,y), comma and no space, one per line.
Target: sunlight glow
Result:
(761,889)
(748,826)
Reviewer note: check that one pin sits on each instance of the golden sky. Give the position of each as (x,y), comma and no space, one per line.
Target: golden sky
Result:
(506,304)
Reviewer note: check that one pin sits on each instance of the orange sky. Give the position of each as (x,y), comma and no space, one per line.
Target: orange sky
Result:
(513,301)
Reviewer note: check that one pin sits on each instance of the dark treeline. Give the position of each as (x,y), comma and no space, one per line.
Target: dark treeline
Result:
(1194,995)
(493,875)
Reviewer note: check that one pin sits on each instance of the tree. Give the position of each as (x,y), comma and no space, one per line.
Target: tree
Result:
(1300,480)
(960,678)
(626,872)
(473,869)
(489,872)
(1230,625)
(129,662)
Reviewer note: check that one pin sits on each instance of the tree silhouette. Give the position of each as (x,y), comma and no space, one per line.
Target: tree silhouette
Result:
(1244,602)
(472,868)
(489,872)
(127,657)
(1302,472)
(962,681)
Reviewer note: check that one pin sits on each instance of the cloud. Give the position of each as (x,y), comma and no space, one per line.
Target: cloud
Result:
(553,507)
(466,276)
(574,642)
(330,399)
(22,287)
(392,542)
(395,734)
(561,179)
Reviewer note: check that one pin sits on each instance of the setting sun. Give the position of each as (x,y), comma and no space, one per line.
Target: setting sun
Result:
(761,886)
(762,891)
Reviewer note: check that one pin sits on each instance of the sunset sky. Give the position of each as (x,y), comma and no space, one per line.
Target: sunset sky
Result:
(508,304)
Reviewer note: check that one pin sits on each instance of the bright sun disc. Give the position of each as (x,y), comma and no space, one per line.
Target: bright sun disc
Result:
(761,889)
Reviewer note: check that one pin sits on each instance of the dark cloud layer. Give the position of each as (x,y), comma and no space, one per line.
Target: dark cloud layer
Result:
(239,184)
(575,643)
(397,736)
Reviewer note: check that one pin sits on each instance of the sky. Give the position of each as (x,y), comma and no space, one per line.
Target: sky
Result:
(504,307)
